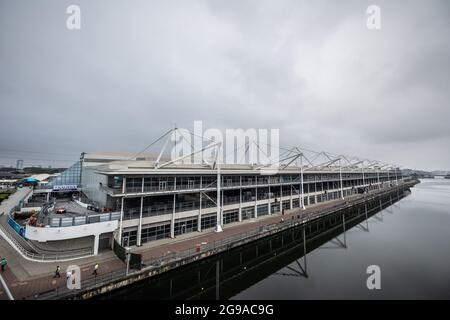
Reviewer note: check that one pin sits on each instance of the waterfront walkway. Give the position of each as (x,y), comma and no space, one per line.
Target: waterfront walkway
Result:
(26,278)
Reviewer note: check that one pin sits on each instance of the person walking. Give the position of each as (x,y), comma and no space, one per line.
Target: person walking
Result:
(57,274)
(95,273)
(3,263)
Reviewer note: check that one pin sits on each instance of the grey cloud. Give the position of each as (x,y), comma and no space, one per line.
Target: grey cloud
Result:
(311,69)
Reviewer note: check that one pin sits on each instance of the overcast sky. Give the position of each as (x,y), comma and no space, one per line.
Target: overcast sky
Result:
(310,68)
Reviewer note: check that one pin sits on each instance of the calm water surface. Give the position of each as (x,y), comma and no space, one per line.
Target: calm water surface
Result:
(409,241)
(411,245)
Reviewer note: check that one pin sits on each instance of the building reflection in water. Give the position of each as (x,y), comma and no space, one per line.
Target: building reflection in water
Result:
(283,254)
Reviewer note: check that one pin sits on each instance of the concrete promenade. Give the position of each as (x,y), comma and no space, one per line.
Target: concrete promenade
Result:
(28,278)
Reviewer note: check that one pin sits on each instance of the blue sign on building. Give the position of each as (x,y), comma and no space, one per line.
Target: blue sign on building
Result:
(17,228)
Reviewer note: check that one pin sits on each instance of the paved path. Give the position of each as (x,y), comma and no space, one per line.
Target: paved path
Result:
(154,250)
(14,199)
(26,278)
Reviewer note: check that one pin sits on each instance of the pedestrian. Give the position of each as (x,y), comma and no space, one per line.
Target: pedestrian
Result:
(68,275)
(95,270)
(3,263)
(57,272)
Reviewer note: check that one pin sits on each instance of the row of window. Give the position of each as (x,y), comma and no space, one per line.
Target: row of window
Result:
(185,226)
(230,216)
(182,183)
(188,225)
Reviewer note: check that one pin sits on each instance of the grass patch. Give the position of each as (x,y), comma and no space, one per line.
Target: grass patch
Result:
(5,195)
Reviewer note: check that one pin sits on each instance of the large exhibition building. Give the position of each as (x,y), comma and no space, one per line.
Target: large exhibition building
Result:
(157,202)
(136,199)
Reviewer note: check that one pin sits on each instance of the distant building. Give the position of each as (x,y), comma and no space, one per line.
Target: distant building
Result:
(19,164)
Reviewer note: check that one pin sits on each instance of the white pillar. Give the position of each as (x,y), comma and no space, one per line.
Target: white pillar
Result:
(221,206)
(256,199)
(172,222)
(389,181)
(124,181)
(302,201)
(199,221)
(218,202)
(240,199)
(378,177)
(340,179)
(120,223)
(363,180)
(281,196)
(291,197)
(315,196)
(268,201)
(139,232)
(96,242)
(300,197)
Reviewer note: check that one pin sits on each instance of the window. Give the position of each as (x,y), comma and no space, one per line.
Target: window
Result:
(248,213)
(133,185)
(185,226)
(155,232)
(162,185)
(274,207)
(230,216)
(129,238)
(263,210)
(209,221)
(191,184)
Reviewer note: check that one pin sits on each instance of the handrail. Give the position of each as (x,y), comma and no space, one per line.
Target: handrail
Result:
(310,216)
(227,243)
(40,257)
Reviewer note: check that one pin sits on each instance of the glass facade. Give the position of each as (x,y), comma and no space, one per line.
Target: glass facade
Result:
(133,185)
(254,187)
(248,213)
(71,176)
(185,226)
(263,209)
(129,238)
(230,216)
(209,221)
(157,232)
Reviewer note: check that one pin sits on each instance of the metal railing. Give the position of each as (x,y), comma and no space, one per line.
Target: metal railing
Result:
(263,231)
(213,247)
(89,283)
(81,220)
(237,184)
(39,256)
(52,257)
